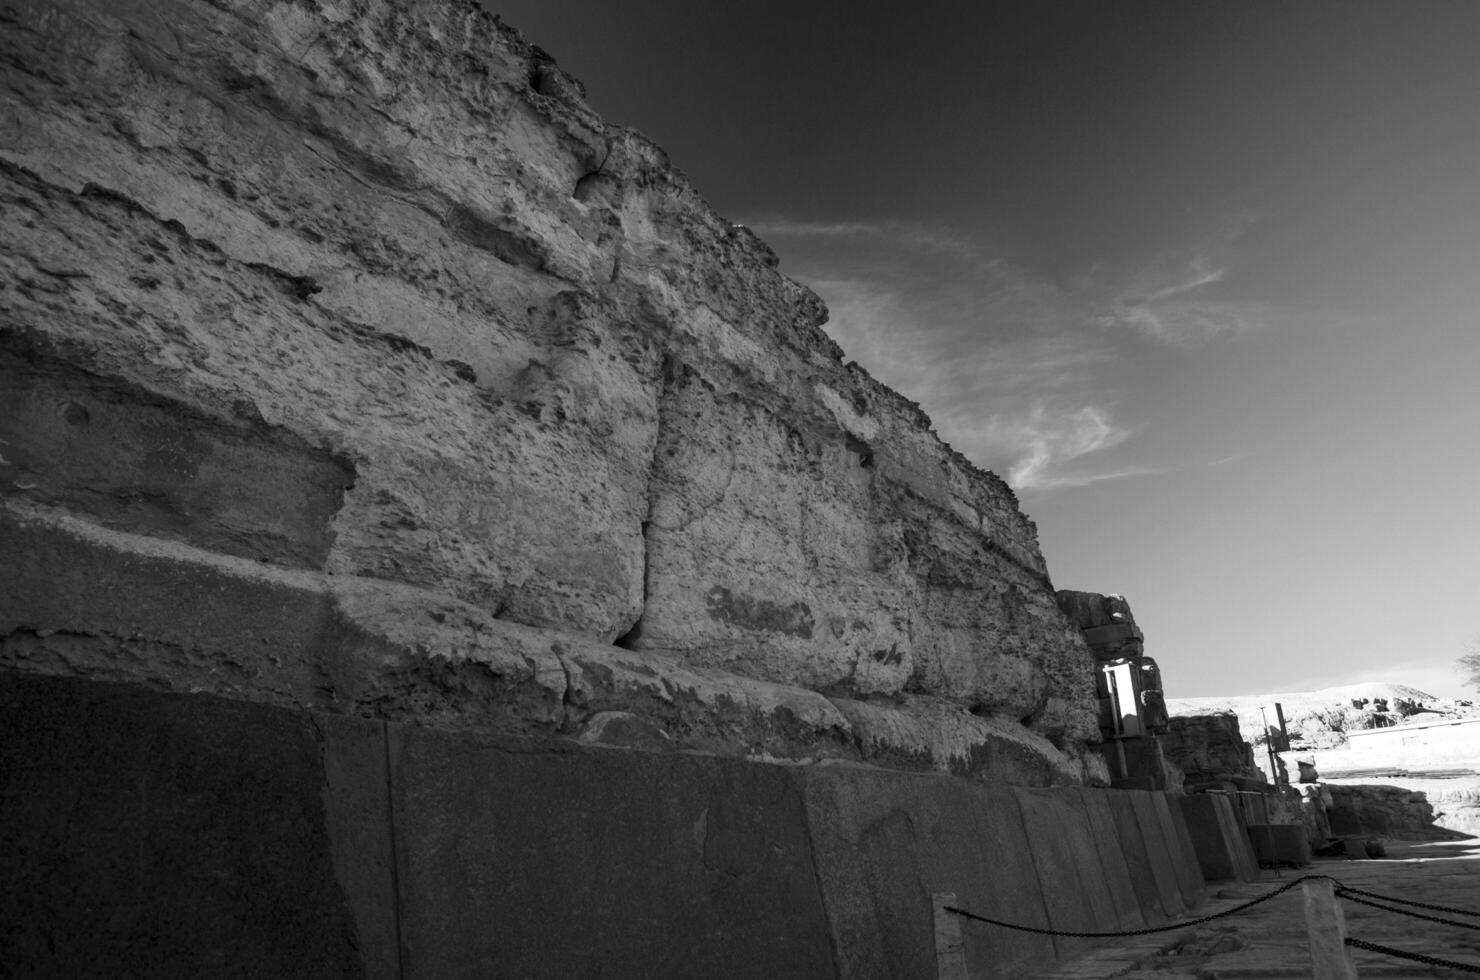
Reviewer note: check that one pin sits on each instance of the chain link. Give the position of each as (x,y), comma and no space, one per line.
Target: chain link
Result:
(1185,924)
(1403,901)
(1415,957)
(1416,915)
(1340,889)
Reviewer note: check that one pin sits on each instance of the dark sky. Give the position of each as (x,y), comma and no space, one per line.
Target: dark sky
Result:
(1061,128)
(1200,278)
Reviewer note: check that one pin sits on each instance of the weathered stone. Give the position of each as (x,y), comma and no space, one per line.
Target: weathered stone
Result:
(936,734)
(699,708)
(1210,749)
(366,291)
(1385,810)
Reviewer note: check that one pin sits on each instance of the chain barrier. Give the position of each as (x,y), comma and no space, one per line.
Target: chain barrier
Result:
(1185,924)
(1404,901)
(1351,894)
(1415,957)
(1416,915)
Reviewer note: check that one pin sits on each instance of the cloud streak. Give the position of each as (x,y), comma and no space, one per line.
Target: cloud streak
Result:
(1168,301)
(1022,374)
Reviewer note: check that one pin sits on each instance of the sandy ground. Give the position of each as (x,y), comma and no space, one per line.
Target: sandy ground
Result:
(1270,940)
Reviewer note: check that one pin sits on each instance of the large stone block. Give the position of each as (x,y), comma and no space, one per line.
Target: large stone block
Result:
(600,863)
(1223,852)
(1147,851)
(1066,858)
(1114,861)
(1180,849)
(885,842)
(152,835)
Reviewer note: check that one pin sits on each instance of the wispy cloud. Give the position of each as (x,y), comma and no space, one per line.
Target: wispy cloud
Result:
(1050,436)
(1022,374)
(1170,298)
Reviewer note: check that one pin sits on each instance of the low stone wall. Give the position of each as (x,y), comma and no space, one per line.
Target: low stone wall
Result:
(155,834)
(1407,809)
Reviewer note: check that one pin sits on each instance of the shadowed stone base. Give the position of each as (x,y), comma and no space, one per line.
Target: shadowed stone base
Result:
(153,834)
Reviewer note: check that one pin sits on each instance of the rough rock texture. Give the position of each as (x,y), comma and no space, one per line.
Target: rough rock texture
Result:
(348,360)
(1384,810)
(1210,749)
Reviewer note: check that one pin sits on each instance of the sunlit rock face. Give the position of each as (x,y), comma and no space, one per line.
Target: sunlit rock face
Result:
(1209,749)
(360,302)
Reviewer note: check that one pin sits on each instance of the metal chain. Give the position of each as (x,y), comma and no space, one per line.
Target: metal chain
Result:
(1416,915)
(1403,901)
(1187,924)
(1416,957)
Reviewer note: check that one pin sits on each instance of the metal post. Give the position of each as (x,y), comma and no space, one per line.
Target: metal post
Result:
(950,946)
(1274,766)
(1330,959)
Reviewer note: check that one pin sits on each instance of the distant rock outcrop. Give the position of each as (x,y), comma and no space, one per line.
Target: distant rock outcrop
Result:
(1322,719)
(348,360)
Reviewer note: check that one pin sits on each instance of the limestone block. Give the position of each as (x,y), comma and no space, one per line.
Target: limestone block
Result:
(761,551)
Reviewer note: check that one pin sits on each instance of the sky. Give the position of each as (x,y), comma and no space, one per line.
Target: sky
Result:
(1201,281)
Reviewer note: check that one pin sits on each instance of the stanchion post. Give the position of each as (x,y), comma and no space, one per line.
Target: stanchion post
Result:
(950,946)
(1330,958)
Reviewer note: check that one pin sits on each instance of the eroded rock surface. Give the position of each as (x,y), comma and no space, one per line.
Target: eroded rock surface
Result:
(1210,749)
(358,303)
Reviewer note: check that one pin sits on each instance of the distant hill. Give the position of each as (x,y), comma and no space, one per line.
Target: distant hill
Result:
(1321,719)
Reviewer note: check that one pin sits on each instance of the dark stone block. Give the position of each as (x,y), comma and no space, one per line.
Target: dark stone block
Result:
(600,862)
(1183,854)
(1148,850)
(1280,844)
(886,841)
(1067,864)
(1223,852)
(152,835)
(1113,860)
(357,801)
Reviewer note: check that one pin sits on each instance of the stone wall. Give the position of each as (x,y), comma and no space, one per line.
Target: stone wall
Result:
(1210,750)
(348,361)
(168,835)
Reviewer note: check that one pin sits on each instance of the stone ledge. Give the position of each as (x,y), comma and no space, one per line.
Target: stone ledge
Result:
(89,601)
